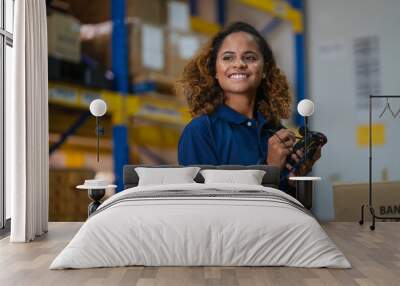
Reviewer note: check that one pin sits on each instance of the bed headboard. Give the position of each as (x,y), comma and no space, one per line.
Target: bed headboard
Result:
(270,179)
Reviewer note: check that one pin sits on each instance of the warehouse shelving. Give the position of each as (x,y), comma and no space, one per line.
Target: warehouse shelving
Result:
(121,107)
(69,102)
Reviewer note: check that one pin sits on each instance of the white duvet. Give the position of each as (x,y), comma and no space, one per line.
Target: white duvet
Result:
(183,231)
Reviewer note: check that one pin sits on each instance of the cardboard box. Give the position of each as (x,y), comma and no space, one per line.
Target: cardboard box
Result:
(181,46)
(63,36)
(96,43)
(98,11)
(66,203)
(149,11)
(92,12)
(159,50)
(179,15)
(146,44)
(348,198)
(207,11)
(155,53)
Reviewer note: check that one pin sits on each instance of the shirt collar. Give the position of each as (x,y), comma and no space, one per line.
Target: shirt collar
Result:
(230,115)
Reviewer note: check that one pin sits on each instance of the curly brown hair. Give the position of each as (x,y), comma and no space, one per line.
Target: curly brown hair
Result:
(203,92)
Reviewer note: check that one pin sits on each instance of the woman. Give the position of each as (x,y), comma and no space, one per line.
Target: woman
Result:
(238,96)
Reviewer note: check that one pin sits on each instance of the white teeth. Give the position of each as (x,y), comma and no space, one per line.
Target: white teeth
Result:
(238,76)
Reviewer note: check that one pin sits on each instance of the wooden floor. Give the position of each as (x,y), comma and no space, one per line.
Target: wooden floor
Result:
(375,257)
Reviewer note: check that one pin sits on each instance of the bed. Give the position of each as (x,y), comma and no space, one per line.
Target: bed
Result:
(201,224)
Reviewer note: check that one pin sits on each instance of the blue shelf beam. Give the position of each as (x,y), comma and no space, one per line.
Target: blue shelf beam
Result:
(300,73)
(221,12)
(301,87)
(193,7)
(120,69)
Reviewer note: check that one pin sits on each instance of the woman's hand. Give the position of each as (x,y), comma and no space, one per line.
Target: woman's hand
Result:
(280,145)
(306,167)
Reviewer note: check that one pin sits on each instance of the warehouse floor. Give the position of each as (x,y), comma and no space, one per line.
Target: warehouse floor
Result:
(375,257)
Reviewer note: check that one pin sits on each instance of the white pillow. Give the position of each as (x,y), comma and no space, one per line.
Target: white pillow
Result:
(164,176)
(249,177)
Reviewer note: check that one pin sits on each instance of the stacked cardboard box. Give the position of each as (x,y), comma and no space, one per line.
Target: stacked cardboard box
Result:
(149,11)
(181,46)
(66,203)
(159,54)
(63,37)
(146,44)
(98,11)
(96,43)
(155,53)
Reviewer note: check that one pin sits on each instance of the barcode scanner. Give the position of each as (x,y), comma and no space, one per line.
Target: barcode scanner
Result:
(314,141)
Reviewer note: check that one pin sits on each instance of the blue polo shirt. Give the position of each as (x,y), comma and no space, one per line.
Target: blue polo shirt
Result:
(224,137)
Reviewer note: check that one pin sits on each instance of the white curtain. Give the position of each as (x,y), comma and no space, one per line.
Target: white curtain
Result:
(27,124)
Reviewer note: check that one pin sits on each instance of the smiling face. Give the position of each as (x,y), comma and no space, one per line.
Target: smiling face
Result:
(239,65)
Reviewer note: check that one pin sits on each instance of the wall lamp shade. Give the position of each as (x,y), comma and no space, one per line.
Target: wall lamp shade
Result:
(305,107)
(98,107)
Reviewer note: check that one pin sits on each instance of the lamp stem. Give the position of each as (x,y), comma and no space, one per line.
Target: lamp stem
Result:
(98,135)
(305,137)
(370,153)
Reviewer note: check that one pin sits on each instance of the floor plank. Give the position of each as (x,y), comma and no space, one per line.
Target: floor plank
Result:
(375,257)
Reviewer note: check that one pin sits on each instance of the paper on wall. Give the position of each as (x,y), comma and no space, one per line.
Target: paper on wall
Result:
(178,15)
(188,46)
(331,51)
(152,47)
(367,69)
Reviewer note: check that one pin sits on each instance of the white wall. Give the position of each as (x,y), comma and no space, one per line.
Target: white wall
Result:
(282,43)
(332,28)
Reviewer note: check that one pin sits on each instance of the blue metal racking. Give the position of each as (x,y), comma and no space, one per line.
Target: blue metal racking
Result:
(120,69)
